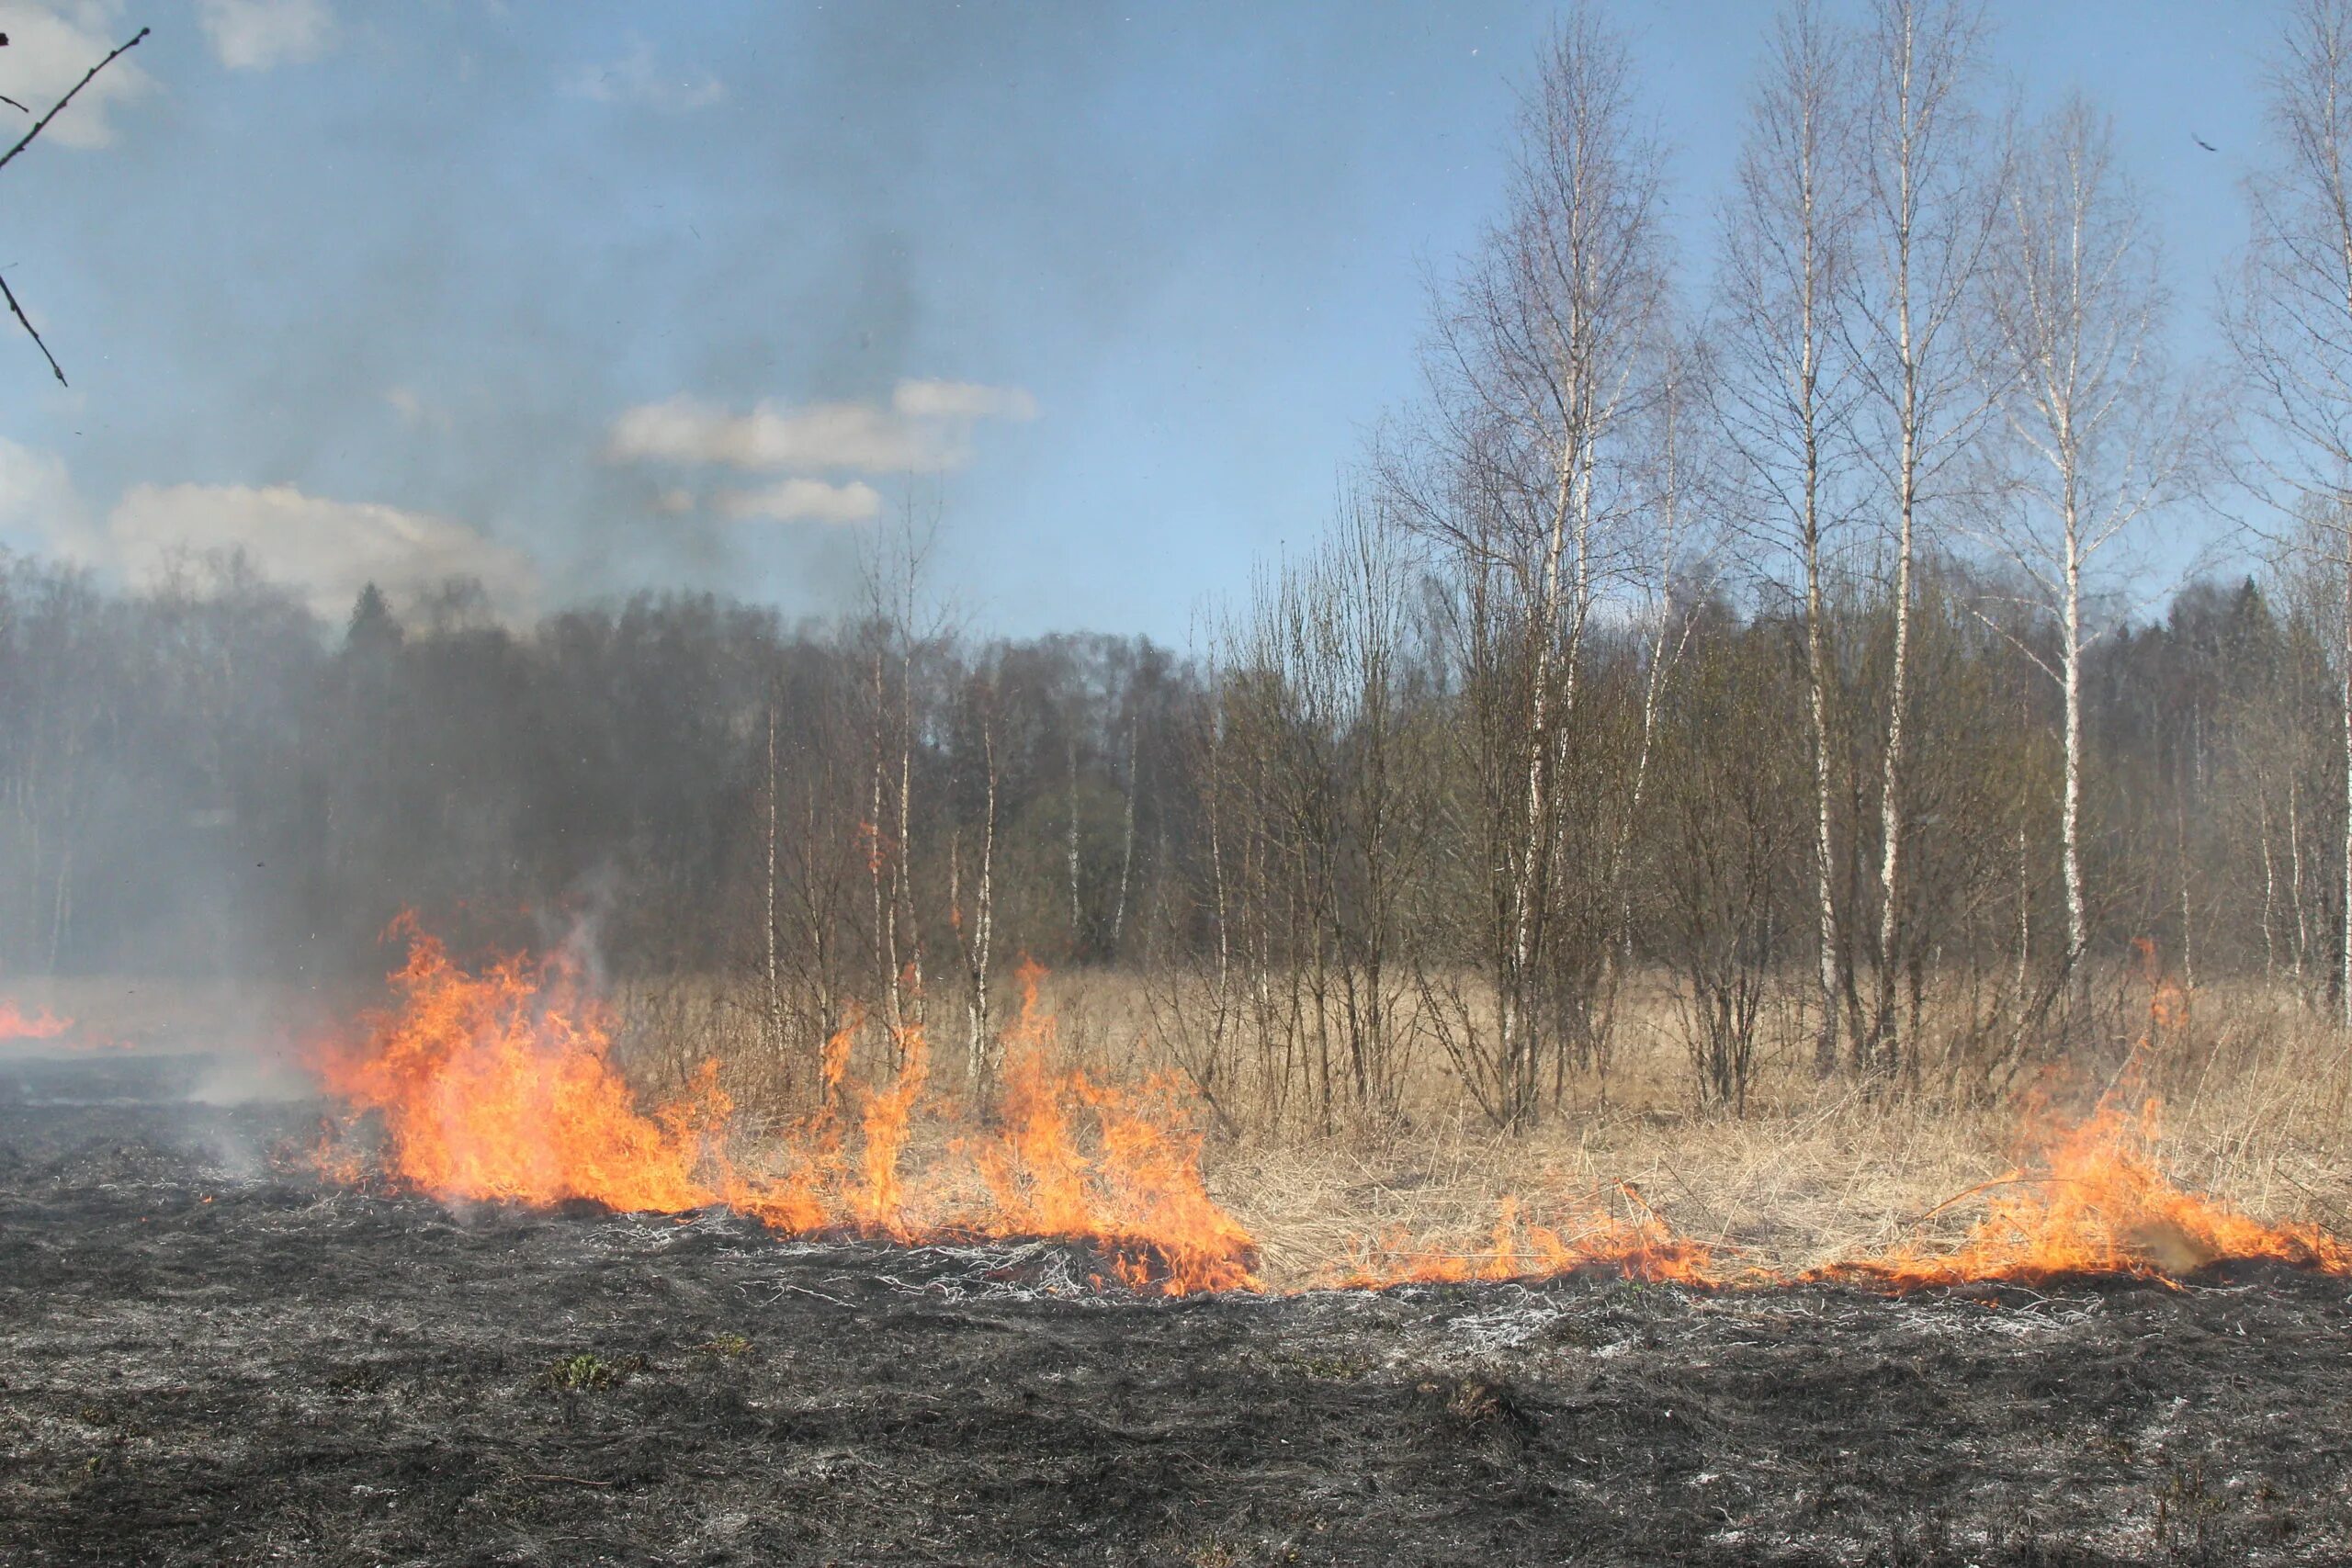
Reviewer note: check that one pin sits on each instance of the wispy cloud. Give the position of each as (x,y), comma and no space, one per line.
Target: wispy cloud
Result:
(638,78)
(927,429)
(326,549)
(255,35)
(961,400)
(772,435)
(802,501)
(48,52)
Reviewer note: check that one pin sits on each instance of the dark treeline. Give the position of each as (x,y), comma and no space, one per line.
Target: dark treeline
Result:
(204,779)
(1283,836)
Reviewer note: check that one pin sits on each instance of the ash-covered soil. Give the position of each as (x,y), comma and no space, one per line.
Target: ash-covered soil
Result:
(205,1357)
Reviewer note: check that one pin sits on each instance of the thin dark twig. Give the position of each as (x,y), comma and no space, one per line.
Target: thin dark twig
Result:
(55,368)
(26,141)
(13,104)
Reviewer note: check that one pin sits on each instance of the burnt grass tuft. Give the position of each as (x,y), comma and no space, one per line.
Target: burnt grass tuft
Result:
(290,1373)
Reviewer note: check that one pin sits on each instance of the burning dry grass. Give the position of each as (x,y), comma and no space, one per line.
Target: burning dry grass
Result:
(2245,1106)
(500,1085)
(18,1022)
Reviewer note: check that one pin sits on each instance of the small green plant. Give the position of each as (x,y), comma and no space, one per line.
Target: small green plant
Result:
(588,1372)
(733,1346)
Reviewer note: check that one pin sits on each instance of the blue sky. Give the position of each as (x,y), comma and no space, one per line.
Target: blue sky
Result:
(582,298)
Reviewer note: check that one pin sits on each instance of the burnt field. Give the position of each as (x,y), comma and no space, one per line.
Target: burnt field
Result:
(209,1357)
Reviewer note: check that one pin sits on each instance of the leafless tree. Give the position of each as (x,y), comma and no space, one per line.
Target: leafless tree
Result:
(1786,390)
(2098,433)
(2290,325)
(1540,358)
(900,624)
(975,921)
(1926,218)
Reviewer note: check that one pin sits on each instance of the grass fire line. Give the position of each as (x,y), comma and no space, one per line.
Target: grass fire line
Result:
(16,1023)
(497,1085)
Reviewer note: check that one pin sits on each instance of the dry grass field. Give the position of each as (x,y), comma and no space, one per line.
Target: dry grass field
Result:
(2251,1088)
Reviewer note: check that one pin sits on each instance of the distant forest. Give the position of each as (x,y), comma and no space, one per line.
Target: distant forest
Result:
(202,779)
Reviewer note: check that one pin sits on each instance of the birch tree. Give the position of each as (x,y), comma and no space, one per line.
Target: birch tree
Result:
(2078,311)
(975,924)
(1786,390)
(1538,364)
(1925,219)
(2291,327)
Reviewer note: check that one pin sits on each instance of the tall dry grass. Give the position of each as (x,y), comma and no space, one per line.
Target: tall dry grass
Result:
(2254,1089)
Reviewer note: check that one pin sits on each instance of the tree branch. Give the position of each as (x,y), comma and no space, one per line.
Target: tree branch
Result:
(55,368)
(26,141)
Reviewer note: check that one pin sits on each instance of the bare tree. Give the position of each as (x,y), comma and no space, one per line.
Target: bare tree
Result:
(1926,217)
(2077,310)
(2291,327)
(975,927)
(816,844)
(897,633)
(1682,479)
(1540,358)
(1786,391)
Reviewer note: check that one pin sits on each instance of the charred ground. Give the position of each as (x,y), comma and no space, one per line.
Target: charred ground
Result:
(205,1357)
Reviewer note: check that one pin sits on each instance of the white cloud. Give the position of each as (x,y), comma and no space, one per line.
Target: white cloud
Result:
(927,429)
(803,500)
(38,500)
(46,53)
(961,400)
(638,78)
(254,35)
(822,435)
(326,549)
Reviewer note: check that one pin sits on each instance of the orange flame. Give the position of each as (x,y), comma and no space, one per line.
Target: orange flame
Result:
(881,1199)
(1640,1247)
(17,1024)
(2102,1203)
(2102,1206)
(500,1086)
(1138,1192)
